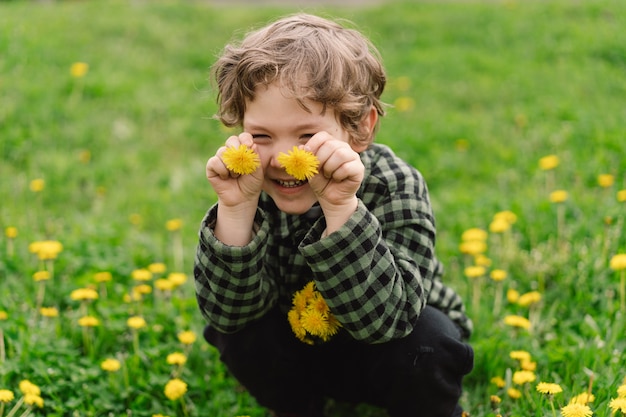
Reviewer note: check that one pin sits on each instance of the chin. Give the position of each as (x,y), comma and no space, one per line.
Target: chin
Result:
(294,208)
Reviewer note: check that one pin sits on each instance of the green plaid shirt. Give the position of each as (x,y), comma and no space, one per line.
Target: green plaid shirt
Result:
(376,273)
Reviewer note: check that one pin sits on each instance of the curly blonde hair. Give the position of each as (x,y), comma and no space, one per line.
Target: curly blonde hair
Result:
(311,58)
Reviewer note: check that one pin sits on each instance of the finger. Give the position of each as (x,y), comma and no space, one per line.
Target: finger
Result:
(217,168)
(333,158)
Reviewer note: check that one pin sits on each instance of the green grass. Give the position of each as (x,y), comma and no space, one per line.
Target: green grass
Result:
(492,87)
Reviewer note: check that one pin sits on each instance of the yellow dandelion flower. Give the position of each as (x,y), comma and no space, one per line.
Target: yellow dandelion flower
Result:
(299,301)
(482,260)
(176,358)
(136,322)
(313,322)
(584,398)
(177,278)
(404,104)
(549,388)
(512,295)
(473,247)
(102,276)
(142,289)
(517,321)
(529,298)
(299,163)
(6,396)
(141,274)
(498,381)
(506,215)
(37,185)
(549,162)
(474,271)
(474,233)
(241,160)
(49,312)
(82,294)
(621,391)
(79,69)
(173,224)
(520,355)
(157,267)
(164,284)
(308,291)
(41,276)
(175,388)
(135,219)
(495,400)
(523,377)
(621,196)
(618,404)
(318,304)
(605,180)
(514,393)
(187,337)
(88,321)
(293,317)
(3,315)
(618,262)
(498,275)
(558,196)
(499,225)
(576,410)
(10,232)
(32,399)
(462,144)
(46,249)
(28,387)
(527,365)
(110,365)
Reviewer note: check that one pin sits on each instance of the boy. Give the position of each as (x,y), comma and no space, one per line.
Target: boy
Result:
(361,229)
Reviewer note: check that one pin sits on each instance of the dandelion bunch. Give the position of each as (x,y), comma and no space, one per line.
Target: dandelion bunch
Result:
(241,160)
(299,163)
(310,318)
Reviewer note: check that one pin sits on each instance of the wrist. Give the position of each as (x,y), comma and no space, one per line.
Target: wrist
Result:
(337,215)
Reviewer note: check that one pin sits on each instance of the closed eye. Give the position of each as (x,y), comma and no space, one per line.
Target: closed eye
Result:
(260,138)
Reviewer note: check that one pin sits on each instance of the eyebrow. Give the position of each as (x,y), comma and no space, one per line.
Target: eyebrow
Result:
(305,126)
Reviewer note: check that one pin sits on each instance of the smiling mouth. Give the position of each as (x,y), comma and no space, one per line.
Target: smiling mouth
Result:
(291,183)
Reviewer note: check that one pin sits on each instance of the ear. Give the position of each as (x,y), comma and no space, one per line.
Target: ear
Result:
(367,126)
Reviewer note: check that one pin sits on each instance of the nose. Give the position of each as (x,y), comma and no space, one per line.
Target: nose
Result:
(277,150)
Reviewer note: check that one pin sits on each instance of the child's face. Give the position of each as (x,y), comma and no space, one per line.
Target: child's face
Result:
(277,124)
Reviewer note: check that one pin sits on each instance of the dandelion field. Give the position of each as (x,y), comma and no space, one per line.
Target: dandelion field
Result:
(513,110)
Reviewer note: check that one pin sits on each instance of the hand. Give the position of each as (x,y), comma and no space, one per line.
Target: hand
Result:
(234,189)
(340,175)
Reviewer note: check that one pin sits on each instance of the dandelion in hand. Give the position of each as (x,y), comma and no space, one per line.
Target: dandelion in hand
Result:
(241,160)
(310,318)
(299,163)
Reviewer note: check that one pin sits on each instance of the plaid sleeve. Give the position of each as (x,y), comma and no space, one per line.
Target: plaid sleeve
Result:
(379,270)
(230,288)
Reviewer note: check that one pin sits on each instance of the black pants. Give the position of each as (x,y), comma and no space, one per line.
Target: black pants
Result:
(419,375)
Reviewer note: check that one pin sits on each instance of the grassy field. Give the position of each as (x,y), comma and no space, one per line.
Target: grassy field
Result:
(109,162)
